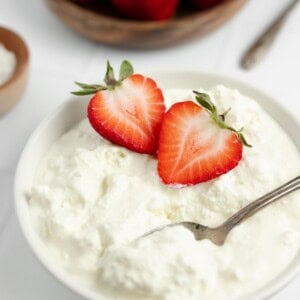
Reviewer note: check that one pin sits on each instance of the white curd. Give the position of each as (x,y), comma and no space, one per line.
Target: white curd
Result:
(7,64)
(91,200)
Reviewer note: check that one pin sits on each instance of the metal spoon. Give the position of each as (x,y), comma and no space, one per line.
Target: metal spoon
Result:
(218,234)
(260,47)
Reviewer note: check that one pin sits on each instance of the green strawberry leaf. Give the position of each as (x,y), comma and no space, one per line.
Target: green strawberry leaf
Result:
(88,86)
(109,78)
(204,100)
(126,70)
(243,139)
(84,92)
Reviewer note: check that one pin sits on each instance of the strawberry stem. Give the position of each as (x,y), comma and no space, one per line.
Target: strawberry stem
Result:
(111,82)
(204,100)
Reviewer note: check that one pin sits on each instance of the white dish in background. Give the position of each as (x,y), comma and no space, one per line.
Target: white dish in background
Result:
(74,110)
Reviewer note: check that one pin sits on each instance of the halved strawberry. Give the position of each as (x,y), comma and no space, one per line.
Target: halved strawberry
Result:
(195,144)
(128,111)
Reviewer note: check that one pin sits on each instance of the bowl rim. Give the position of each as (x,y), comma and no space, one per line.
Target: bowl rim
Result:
(270,289)
(21,64)
(76,8)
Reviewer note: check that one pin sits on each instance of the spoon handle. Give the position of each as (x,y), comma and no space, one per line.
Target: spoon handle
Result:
(261,46)
(261,202)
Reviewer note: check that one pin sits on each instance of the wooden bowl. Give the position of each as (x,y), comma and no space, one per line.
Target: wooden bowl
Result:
(108,29)
(12,90)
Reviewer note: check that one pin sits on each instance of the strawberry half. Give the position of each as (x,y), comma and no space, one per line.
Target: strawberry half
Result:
(195,144)
(129,111)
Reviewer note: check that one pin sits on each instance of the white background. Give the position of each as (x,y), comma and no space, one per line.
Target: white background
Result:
(59,56)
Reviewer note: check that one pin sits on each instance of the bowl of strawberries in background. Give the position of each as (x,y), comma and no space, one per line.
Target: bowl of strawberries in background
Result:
(144,24)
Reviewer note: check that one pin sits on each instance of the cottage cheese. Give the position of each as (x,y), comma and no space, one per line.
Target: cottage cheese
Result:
(91,200)
(7,64)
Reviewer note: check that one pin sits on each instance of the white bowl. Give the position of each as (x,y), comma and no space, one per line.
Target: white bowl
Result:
(74,110)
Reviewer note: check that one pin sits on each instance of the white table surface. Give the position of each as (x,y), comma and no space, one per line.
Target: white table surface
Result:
(59,56)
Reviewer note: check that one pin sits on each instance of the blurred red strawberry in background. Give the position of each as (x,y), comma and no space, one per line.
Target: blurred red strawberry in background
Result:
(202,4)
(146,9)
